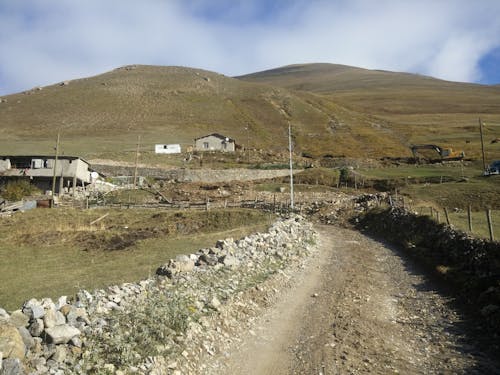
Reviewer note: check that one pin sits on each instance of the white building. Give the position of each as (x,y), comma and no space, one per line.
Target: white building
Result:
(168,149)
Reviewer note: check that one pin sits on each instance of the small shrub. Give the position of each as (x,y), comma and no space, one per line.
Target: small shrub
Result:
(17,190)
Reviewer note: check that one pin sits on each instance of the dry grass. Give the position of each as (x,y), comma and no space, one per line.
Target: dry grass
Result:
(416,109)
(56,252)
(350,112)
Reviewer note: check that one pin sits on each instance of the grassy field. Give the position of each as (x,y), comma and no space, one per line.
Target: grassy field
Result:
(454,170)
(48,253)
(480,193)
(459,220)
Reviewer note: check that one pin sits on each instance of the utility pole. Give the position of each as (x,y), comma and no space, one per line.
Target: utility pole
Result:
(291,163)
(247,128)
(137,160)
(482,143)
(54,175)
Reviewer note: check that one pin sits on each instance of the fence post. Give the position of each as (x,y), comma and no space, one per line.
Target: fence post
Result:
(469,217)
(447,216)
(437,216)
(490,224)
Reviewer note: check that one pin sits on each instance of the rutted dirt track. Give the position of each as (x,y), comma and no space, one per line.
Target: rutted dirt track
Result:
(358,308)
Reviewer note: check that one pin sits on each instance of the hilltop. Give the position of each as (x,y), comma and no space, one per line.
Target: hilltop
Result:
(334,110)
(420,109)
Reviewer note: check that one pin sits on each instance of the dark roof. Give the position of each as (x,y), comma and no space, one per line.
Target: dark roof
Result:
(217,135)
(67,157)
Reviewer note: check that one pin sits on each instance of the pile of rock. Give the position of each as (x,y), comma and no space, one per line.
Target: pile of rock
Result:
(219,283)
(41,333)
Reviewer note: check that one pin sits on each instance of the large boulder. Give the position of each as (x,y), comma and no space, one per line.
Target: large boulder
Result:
(53,318)
(34,309)
(229,261)
(19,319)
(11,342)
(182,263)
(61,334)
(12,366)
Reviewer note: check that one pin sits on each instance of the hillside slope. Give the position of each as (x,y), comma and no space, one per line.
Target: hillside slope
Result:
(103,115)
(422,109)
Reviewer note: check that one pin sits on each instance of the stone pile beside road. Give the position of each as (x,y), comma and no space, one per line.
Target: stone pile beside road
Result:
(168,324)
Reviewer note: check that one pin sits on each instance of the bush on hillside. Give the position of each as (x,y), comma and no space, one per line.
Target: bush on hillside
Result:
(17,190)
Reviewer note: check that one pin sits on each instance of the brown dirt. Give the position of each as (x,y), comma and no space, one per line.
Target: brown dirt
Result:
(359,308)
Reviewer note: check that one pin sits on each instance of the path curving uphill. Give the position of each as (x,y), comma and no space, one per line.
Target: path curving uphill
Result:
(358,308)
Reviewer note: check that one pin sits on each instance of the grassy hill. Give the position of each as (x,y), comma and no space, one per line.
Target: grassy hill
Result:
(420,109)
(333,109)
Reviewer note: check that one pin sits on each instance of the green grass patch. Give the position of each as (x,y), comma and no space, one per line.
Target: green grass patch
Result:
(459,220)
(48,253)
(480,193)
(454,171)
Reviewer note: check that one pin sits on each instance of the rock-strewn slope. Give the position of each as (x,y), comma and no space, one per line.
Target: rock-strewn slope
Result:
(166,324)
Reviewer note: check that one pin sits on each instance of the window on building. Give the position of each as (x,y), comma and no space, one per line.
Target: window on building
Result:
(205,145)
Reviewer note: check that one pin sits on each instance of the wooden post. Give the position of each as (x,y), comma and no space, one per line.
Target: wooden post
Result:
(136,160)
(469,217)
(482,143)
(404,203)
(447,216)
(390,201)
(432,211)
(437,216)
(274,202)
(206,203)
(55,172)
(99,219)
(74,185)
(490,224)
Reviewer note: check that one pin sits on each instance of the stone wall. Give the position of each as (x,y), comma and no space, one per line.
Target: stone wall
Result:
(161,325)
(471,265)
(194,175)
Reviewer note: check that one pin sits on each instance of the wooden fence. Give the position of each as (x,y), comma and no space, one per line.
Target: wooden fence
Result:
(475,223)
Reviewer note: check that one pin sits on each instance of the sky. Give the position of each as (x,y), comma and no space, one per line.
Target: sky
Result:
(44,42)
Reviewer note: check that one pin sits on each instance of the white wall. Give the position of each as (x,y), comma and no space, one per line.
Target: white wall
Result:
(168,149)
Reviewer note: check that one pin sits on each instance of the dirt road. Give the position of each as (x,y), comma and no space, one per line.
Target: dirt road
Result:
(358,308)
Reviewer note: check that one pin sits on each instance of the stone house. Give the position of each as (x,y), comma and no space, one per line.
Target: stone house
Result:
(70,171)
(215,142)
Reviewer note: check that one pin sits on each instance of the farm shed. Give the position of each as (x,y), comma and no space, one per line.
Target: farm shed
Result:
(215,142)
(70,171)
(167,149)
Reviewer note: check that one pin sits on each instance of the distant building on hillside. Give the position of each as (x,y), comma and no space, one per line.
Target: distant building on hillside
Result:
(215,142)
(70,171)
(167,149)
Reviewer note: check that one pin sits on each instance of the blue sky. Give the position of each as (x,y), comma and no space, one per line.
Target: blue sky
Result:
(47,41)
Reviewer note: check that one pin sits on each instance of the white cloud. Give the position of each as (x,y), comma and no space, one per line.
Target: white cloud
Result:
(46,41)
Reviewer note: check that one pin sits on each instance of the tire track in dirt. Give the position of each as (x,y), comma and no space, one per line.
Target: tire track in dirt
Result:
(359,308)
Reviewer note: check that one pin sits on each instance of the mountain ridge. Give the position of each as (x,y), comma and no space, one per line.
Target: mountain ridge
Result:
(104,114)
